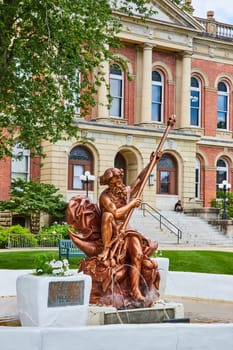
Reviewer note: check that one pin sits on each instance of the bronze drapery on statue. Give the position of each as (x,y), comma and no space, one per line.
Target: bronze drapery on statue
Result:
(123,274)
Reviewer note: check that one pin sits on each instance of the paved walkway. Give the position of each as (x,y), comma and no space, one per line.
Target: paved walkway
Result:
(206,311)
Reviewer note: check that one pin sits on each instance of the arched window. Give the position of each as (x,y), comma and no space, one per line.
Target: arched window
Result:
(222,172)
(20,163)
(116,91)
(157,97)
(80,160)
(197,179)
(120,163)
(167,175)
(195,112)
(223,105)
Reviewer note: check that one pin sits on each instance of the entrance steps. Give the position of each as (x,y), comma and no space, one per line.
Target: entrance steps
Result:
(195,230)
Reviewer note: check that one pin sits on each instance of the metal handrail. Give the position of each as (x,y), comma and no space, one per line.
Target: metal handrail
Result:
(163,221)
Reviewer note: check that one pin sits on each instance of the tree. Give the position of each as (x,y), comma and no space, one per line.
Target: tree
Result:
(219,202)
(45,45)
(30,198)
(185,5)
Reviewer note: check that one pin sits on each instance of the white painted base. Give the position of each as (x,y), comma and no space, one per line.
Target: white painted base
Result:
(39,307)
(97,314)
(163,266)
(120,337)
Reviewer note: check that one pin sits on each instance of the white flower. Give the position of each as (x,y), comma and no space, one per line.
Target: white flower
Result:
(56,268)
(68,273)
(66,262)
(56,264)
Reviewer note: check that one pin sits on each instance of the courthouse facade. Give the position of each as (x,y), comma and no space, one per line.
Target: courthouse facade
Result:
(174,63)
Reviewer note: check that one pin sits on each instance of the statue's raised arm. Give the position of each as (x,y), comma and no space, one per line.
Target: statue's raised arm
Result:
(140,182)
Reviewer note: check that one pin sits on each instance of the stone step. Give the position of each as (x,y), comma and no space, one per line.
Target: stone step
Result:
(195,230)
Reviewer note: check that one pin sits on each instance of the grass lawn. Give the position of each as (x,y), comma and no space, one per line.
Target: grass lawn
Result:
(179,260)
(204,261)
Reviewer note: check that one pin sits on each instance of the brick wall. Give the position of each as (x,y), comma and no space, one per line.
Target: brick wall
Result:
(5,178)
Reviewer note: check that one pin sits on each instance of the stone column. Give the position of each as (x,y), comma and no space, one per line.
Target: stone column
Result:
(102,109)
(185,91)
(146,84)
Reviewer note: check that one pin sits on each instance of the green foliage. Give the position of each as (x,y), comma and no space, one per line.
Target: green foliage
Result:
(48,236)
(53,267)
(19,236)
(17,229)
(28,198)
(219,202)
(3,237)
(184,5)
(60,230)
(41,265)
(43,46)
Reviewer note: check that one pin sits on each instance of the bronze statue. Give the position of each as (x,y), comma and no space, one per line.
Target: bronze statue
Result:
(123,275)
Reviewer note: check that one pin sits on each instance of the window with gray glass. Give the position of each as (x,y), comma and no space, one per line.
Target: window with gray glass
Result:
(20,163)
(222,172)
(223,105)
(157,97)
(195,112)
(80,160)
(116,91)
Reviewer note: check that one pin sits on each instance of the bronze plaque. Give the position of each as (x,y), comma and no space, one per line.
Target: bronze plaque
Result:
(65,293)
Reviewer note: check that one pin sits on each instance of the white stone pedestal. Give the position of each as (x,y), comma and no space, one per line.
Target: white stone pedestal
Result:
(45,301)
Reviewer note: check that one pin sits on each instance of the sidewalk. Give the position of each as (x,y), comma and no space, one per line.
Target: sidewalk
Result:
(206,311)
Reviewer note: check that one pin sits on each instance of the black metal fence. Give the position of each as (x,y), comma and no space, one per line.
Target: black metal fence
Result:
(32,241)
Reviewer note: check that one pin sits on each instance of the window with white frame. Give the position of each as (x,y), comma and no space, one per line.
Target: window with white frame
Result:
(20,163)
(157,97)
(222,172)
(223,105)
(197,178)
(80,161)
(116,91)
(195,95)
(167,171)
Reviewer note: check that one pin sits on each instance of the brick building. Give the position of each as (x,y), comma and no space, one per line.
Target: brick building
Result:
(172,64)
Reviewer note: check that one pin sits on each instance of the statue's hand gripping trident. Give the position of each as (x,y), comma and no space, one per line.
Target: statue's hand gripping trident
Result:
(115,245)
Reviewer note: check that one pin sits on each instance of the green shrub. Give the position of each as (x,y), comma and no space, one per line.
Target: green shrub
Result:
(48,236)
(21,237)
(219,202)
(17,229)
(3,237)
(61,230)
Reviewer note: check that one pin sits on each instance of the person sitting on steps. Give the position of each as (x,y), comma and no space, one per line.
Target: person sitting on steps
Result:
(178,207)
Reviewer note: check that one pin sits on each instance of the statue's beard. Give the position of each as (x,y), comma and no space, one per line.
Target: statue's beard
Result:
(119,190)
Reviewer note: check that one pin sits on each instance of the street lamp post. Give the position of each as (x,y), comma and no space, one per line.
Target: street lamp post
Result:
(225,186)
(86,178)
